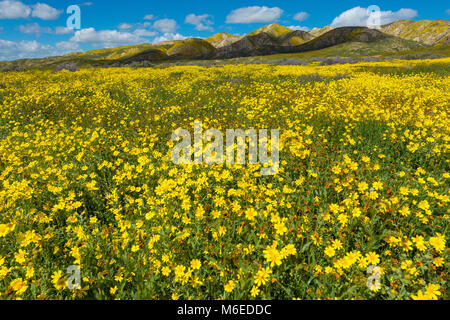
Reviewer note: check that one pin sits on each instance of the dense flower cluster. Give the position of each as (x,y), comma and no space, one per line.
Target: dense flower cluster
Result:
(87,179)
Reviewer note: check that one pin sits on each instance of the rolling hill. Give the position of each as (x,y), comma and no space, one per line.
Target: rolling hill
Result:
(403,35)
(190,49)
(425,31)
(222,39)
(316,32)
(264,44)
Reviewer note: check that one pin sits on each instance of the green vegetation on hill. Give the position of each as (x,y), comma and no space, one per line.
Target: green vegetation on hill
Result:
(265,44)
(190,49)
(222,39)
(274,30)
(426,31)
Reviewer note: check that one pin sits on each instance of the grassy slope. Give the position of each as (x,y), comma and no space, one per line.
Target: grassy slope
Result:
(104,57)
(383,48)
(354,49)
(426,31)
(274,30)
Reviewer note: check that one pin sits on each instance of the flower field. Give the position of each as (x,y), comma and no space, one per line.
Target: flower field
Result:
(87,180)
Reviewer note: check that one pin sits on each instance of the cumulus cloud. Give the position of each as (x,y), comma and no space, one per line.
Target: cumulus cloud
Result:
(140,29)
(301,16)
(149,17)
(23,49)
(14,9)
(166,25)
(169,37)
(67,47)
(106,38)
(359,17)
(254,14)
(45,12)
(37,30)
(201,22)
(11,9)
(34,28)
(299,28)
(10,50)
(144,33)
(63,30)
(125,26)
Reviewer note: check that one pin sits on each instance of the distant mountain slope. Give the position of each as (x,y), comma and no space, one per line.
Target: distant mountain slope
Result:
(383,46)
(295,38)
(272,39)
(113,53)
(425,31)
(342,35)
(190,49)
(263,40)
(248,46)
(222,39)
(317,32)
(263,44)
(274,30)
(147,55)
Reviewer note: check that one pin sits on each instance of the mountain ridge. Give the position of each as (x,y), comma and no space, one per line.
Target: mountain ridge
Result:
(267,40)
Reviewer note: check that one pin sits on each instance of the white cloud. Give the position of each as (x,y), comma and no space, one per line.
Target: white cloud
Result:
(166,25)
(107,38)
(63,30)
(10,9)
(1,28)
(34,28)
(149,17)
(45,12)
(13,9)
(301,16)
(169,37)
(10,50)
(254,14)
(139,29)
(23,49)
(125,26)
(447,11)
(359,17)
(67,47)
(299,28)
(144,33)
(201,22)
(37,30)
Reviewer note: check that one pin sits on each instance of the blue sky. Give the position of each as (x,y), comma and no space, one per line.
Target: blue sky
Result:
(38,28)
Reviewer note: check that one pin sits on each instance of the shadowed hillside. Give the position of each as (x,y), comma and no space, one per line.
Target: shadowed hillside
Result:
(272,39)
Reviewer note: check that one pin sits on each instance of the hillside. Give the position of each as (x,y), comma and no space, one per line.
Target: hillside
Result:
(222,39)
(342,35)
(425,31)
(399,36)
(295,38)
(190,49)
(317,32)
(274,30)
(263,44)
